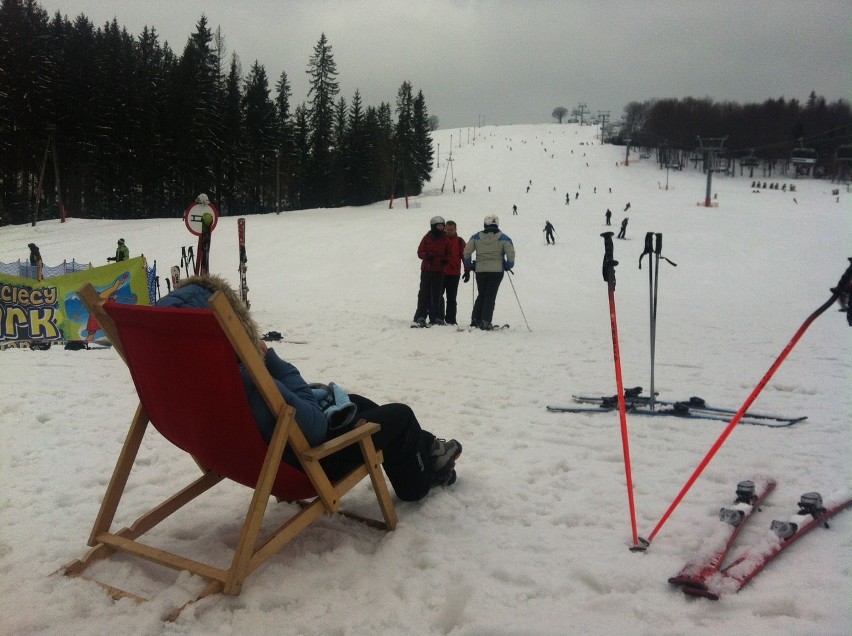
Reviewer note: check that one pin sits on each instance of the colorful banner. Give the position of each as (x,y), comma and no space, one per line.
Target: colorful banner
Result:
(50,311)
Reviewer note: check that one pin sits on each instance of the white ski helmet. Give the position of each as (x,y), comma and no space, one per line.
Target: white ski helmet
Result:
(202,199)
(435,220)
(491,219)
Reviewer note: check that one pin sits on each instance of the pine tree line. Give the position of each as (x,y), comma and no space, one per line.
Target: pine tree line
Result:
(770,131)
(140,131)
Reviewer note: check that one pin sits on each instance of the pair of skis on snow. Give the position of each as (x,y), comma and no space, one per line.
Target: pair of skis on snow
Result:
(694,407)
(705,576)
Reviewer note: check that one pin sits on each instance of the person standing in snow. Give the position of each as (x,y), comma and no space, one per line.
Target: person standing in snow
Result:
(35,261)
(452,274)
(434,254)
(414,459)
(623,231)
(608,216)
(548,233)
(122,253)
(495,254)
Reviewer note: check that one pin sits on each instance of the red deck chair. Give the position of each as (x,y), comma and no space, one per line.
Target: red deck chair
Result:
(210,419)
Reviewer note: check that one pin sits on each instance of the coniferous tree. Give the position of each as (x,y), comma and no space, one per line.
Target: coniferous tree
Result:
(114,120)
(233,141)
(23,53)
(197,117)
(301,155)
(357,153)
(261,139)
(323,90)
(148,112)
(423,153)
(76,128)
(285,156)
(338,179)
(404,142)
(384,162)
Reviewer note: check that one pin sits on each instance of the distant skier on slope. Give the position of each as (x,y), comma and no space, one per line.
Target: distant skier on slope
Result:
(548,233)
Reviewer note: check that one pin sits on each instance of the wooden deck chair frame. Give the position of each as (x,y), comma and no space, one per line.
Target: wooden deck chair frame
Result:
(248,554)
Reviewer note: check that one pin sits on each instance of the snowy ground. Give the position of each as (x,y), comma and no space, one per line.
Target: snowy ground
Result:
(533,538)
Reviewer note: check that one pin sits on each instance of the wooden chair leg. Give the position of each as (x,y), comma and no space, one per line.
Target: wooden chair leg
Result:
(118,482)
(373,461)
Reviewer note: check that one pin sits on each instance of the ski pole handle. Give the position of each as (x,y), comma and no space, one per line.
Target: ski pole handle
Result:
(649,247)
(843,292)
(844,285)
(609,261)
(659,250)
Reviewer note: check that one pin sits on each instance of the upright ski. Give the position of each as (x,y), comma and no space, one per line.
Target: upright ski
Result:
(780,535)
(241,232)
(175,276)
(202,266)
(733,518)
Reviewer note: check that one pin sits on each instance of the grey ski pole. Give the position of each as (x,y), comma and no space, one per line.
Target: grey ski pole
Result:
(658,250)
(652,308)
(511,273)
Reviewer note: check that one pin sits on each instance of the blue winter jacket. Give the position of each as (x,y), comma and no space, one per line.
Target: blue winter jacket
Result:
(320,409)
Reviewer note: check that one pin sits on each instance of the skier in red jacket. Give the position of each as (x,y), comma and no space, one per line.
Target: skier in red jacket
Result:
(452,274)
(434,254)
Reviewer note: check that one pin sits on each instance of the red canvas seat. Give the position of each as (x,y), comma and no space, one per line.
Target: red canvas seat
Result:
(194,400)
(183,363)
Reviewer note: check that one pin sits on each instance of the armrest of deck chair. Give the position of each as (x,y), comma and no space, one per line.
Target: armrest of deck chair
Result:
(362,429)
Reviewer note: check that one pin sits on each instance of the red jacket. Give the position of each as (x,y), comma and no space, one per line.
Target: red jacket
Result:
(453,268)
(434,252)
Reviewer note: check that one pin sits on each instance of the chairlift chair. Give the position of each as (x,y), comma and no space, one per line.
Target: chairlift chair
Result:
(804,156)
(803,160)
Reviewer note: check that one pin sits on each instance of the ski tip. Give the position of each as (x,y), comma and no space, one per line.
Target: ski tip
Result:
(701,592)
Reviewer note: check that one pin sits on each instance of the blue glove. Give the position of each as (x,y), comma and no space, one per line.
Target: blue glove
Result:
(508,265)
(466,277)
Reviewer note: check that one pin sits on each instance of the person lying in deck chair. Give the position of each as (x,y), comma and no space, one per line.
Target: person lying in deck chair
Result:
(414,459)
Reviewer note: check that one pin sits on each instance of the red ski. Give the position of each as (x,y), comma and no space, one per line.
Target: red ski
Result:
(780,535)
(749,495)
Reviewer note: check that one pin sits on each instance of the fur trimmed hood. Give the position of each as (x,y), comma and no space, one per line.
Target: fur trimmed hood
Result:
(195,291)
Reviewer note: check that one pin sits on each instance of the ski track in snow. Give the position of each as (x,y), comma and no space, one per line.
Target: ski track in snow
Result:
(533,538)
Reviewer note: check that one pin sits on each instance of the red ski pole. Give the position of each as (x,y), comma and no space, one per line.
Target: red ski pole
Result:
(609,264)
(841,292)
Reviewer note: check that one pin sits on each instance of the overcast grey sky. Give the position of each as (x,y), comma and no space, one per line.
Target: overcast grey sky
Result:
(514,61)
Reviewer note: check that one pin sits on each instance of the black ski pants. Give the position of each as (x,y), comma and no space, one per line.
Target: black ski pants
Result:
(406,448)
(429,295)
(488,284)
(451,289)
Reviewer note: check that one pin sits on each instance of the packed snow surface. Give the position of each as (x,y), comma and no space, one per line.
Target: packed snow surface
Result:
(534,536)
